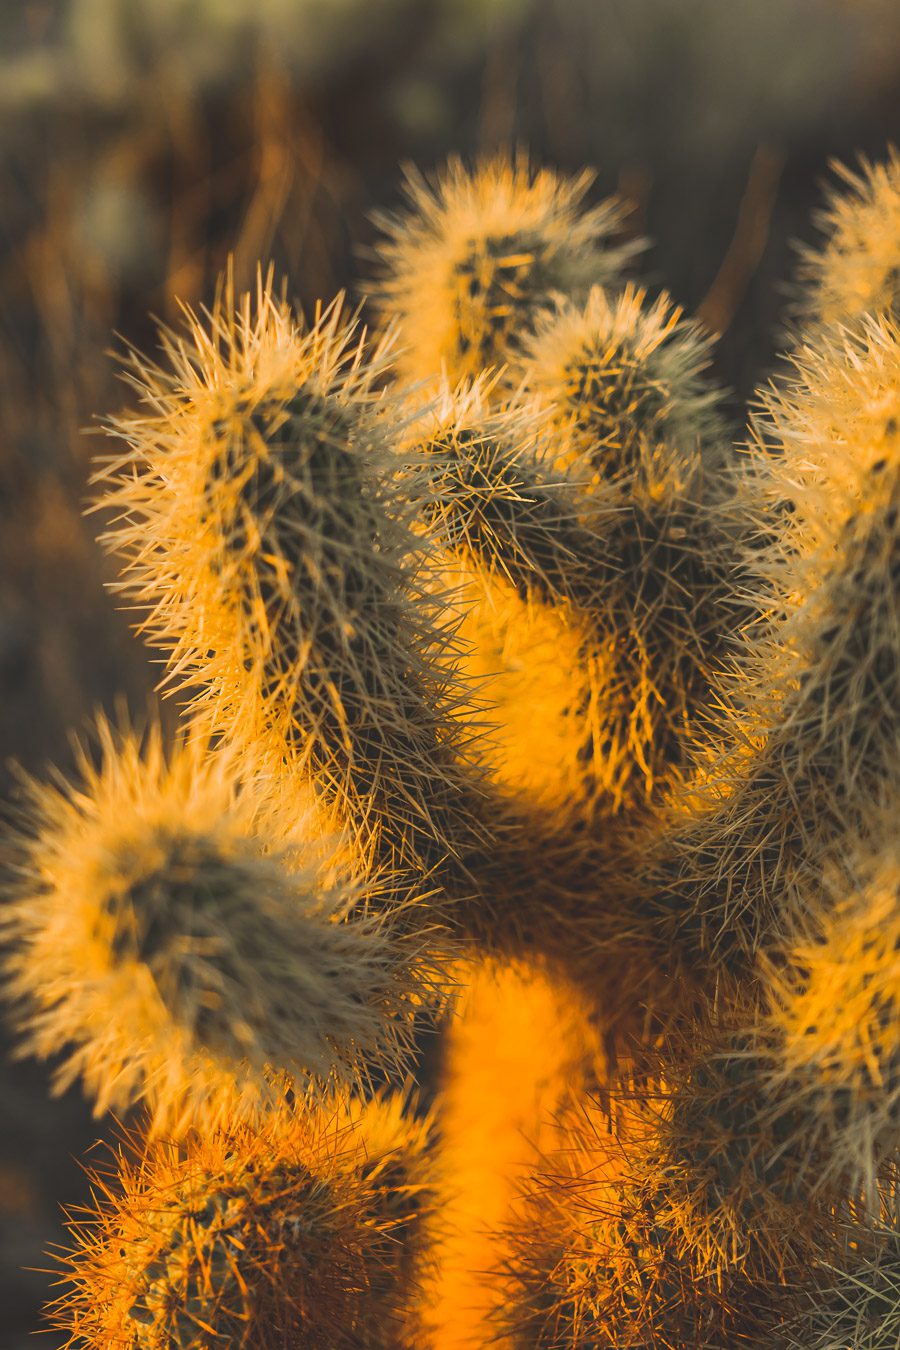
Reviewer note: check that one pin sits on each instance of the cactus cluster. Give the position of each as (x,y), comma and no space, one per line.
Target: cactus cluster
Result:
(532,715)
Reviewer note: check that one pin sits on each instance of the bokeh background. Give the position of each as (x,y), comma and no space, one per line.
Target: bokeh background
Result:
(142,142)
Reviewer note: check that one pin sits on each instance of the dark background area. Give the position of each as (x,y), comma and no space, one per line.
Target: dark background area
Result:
(143,141)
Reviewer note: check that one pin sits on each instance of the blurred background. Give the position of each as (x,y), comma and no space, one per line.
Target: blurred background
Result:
(143,141)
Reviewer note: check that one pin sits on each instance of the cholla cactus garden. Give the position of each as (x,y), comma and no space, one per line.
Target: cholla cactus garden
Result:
(527,702)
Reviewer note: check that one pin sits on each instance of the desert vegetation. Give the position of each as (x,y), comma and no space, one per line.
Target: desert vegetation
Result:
(527,708)
(485,933)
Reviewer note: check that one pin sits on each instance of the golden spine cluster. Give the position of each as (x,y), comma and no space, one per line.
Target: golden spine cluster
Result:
(523,711)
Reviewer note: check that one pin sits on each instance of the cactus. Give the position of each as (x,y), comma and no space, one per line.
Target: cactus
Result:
(286,1231)
(856,1299)
(221,952)
(835,1017)
(857,270)
(620,377)
(613,1249)
(476,255)
(799,756)
(633,581)
(282,583)
(524,572)
(637,423)
(499,673)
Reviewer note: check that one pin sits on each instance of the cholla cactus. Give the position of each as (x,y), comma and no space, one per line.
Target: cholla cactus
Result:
(828,436)
(280,580)
(522,684)
(294,1230)
(223,937)
(619,377)
(604,606)
(612,1249)
(835,1021)
(635,421)
(809,746)
(857,270)
(855,1300)
(476,256)
(525,574)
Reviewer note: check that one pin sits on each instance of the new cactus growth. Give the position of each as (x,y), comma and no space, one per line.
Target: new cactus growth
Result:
(636,421)
(499,671)
(620,377)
